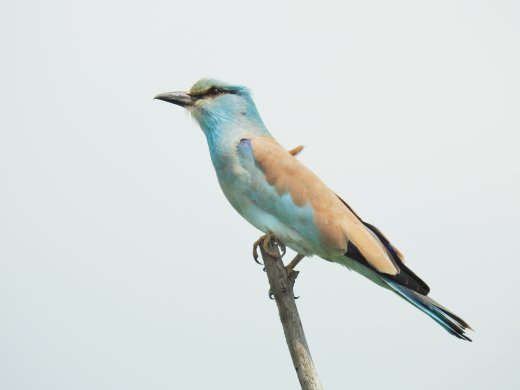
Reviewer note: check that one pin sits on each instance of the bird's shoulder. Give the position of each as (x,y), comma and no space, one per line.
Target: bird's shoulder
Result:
(287,174)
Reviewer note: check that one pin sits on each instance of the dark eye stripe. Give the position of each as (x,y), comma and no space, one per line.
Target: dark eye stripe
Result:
(213,91)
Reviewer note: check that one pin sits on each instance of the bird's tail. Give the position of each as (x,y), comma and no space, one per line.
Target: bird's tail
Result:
(445,318)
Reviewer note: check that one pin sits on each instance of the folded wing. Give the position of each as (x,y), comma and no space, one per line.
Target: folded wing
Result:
(336,223)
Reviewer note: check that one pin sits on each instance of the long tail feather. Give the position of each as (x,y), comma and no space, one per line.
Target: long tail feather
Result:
(445,318)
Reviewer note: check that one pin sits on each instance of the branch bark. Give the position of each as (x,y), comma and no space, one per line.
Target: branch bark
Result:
(282,289)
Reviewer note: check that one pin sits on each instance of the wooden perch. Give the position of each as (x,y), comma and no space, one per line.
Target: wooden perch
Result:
(282,290)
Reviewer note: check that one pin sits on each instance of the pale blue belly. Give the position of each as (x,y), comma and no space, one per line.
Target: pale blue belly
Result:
(270,212)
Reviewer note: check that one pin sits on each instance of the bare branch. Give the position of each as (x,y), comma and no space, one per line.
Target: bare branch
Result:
(282,289)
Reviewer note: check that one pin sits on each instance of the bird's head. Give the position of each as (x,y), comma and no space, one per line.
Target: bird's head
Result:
(217,105)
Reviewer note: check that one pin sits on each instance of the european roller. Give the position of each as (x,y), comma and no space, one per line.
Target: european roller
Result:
(279,195)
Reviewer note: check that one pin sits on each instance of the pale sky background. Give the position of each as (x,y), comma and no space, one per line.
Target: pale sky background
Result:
(123,267)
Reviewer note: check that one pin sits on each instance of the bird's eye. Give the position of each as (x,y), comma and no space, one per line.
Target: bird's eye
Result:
(213,91)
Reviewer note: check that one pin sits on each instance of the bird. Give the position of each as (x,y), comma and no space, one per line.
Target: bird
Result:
(276,193)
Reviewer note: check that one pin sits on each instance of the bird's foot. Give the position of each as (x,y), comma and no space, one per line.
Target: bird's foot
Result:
(294,262)
(268,242)
(291,273)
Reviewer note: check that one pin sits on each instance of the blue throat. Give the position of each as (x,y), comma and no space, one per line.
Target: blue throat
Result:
(227,123)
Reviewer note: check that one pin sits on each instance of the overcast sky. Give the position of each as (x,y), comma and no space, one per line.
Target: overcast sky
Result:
(123,267)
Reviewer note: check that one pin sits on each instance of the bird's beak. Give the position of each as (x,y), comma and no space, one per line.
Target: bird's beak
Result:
(180,98)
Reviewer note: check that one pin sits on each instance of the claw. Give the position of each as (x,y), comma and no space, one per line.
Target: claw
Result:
(282,247)
(255,250)
(267,241)
(255,258)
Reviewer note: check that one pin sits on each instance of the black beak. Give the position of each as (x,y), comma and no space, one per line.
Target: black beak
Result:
(180,98)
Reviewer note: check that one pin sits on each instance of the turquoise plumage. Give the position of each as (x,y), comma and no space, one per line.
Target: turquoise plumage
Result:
(278,195)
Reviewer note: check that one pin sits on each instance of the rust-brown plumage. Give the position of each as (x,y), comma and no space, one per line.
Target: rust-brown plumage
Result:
(337,224)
